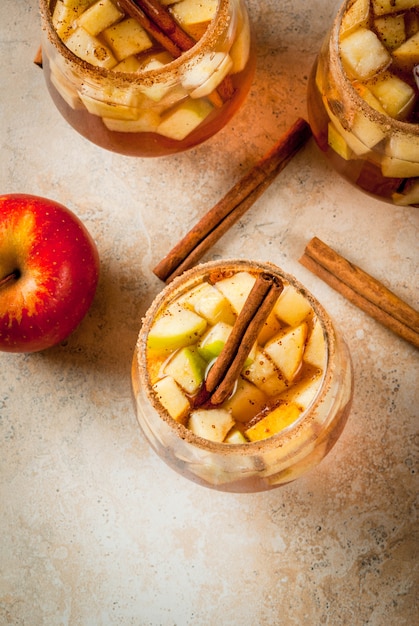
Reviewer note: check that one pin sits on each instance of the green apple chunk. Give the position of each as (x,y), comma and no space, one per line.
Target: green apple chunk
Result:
(211,344)
(263,373)
(207,301)
(187,368)
(363,54)
(246,400)
(211,424)
(126,38)
(184,118)
(236,289)
(315,351)
(210,83)
(176,328)
(401,156)
(282,416)
(90,49)
(172,398)
(99,16)
(287,349)
(292,307)
(338,143)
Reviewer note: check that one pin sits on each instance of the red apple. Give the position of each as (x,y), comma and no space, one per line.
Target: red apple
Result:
(49,269)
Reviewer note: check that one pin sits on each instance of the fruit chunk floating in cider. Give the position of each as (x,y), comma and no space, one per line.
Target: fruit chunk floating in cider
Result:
(280,377)
(103,35)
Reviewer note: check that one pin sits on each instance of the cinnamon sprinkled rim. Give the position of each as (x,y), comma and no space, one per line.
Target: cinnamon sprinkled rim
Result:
(219,24)
(344,82)
(186,281)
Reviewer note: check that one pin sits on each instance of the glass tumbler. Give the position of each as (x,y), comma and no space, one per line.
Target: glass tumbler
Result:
(128,87)
(363,97)
(289,404)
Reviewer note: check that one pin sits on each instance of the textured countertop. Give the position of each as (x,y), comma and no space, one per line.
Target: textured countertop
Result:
(96,529)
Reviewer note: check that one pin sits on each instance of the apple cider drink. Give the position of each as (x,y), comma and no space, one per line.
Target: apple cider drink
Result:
(363,97)
(288,402)
(147,77)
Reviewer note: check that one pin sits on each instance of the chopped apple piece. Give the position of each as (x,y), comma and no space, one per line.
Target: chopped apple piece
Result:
(110,109)
(211,424)
(240,49)
(410,195)
(180,121)
(99,16)
(287,349)
(292,307)
(271,327)
(263,373)
(395,95)
(146,122)
(236,288)
(64,19)
(401,160)
(381,7)
(214,80)
(187,368)
(367,95)
(126,38)
(338,143)
(209,302)
(172,398)
(68,94)
(193,12)
(235,436)
(213,342)
(90,49)
(304,392)
(129,64)
(196,74)
(272,423)
(391,30)
(357,15)
(77,5)
(363,54)
(176,328)
(315,351)
(407,55)
(245,401)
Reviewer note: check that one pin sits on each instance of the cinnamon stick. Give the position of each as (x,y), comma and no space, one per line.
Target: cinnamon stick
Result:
(160,24)
(233,205)
(166,23)
(224,373)
(133,9)
(362,289)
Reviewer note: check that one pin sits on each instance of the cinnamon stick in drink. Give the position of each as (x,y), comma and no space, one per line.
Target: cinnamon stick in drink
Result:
(233,205)
(363,290)
(228,365)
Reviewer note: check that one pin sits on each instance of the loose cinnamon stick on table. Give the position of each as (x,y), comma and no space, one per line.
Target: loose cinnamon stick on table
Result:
(216,222)
(362,289)
(228,365)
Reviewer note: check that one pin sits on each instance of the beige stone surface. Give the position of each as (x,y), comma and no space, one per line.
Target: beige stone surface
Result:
(96,529)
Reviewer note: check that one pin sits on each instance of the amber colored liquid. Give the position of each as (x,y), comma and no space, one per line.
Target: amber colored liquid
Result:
(362,172)
(153,144)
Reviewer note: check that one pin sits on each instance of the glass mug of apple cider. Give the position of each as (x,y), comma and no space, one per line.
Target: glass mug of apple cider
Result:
(363,97)
(147,77)
(241,381)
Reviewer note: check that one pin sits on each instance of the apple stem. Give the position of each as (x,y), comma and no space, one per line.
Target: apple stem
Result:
(9,278)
